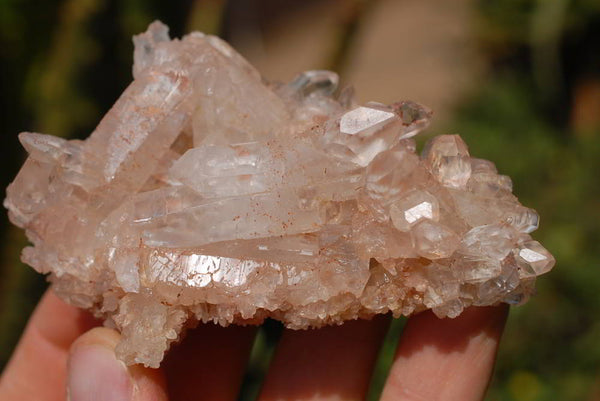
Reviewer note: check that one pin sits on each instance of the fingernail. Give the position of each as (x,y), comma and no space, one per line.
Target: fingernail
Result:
(96,374)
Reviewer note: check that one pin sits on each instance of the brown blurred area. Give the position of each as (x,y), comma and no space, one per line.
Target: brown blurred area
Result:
(419,50)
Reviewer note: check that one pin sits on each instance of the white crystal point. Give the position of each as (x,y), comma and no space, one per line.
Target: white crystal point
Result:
(448,159)
(364,121)
(533,259)
(523,219)
(208,194)
(322,82)
(412,208)
(43,148)
(145,43)
(217,171)
(488,242)
(365,131)
(433,240)
(499,287)
(387,176)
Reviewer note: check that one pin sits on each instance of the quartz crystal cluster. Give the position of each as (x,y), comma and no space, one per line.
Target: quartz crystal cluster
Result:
(208,194)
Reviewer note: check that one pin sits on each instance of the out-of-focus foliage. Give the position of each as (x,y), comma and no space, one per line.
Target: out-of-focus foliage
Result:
(536,113)
(550,348)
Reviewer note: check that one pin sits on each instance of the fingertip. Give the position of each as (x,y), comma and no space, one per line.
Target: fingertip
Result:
(95,373)
(101,336)
(453,335)
(446,359)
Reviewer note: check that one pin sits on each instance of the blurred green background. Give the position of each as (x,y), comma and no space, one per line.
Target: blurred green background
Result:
(518,79)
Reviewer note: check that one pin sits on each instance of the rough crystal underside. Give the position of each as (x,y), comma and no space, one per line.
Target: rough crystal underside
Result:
(206,194)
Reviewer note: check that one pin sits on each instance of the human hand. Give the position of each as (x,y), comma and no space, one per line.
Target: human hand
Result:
(436,359)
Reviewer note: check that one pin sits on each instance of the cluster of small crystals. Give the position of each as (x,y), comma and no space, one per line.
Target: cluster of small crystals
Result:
(207,194)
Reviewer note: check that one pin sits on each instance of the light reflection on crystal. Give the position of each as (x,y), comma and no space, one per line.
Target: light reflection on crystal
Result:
(363,120)
(413,207)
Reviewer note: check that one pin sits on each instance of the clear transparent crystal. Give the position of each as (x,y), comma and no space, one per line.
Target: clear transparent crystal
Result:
(448,159)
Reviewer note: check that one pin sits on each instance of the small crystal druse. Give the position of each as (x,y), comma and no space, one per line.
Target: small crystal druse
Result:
(208,194)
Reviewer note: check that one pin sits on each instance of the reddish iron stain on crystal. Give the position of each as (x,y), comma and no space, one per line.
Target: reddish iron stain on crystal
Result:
(206,194)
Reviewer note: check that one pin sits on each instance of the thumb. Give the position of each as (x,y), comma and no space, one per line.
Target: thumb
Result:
(94,372)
